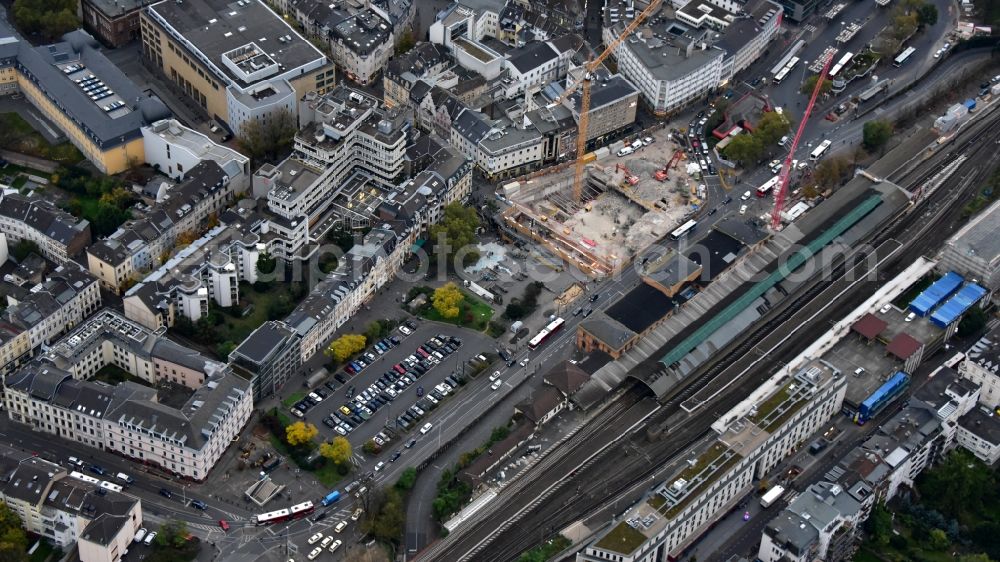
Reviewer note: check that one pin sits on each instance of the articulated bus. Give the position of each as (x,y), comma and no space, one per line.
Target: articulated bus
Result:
(770,184)
(294,512)
(683,230)
(841,64)
(820,150)
(784,71)
(903,57)
(553,327)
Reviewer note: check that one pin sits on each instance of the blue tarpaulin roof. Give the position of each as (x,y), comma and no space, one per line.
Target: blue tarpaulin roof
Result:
(936,293)
(956,306)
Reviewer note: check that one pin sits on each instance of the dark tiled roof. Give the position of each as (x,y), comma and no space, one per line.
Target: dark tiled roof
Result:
(531,56)
(567,377)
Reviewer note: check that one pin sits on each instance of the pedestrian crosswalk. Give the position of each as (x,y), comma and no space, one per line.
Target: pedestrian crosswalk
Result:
(810,28)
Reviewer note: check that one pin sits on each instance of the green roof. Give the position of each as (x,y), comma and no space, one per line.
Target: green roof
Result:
(794,262)
(622,539)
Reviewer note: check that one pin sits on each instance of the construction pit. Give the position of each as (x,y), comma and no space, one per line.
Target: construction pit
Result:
(623,207)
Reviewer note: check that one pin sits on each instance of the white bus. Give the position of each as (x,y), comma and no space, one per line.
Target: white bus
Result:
(770,184)
(903,57)
(820,150)
(683,230)
(780,76)
(841,64)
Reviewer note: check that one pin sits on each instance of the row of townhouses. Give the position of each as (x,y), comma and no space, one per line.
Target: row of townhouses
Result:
(53,395)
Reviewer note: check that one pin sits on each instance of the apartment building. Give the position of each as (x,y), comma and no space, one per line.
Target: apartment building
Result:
(144,243)
(115,22)
(981,365)
(498,148)
(58,234)
(532,66)
(39,313)
(209,269)
(678,61)
(52,395)
(973,251)
(468,20)
(424,62)
(68,510)
(238,61)
(99,109)
(362,45)
(268,358)
(613,103)
(751,439)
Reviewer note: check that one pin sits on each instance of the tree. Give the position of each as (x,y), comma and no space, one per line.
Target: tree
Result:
(457,230)
(810,84)
(270,137)
(971,322)
(266,264)
(745,149)
(406,42)
(904,24)
(24,248)
(13,540)
(927,14)
(876,134)
(938,540)
(384,519)
(879,524)
(300,433)
(407,479)
(339,450)
(974,558)
(374,330)
(172,534)
(830,172)
(447,300)
(771,127)
(52,18)
(345,346)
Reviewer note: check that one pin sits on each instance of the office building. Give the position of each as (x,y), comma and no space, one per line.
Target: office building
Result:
(173,150)
(973,251)
(114,22)
(99,109)
(238,61)
(267,358)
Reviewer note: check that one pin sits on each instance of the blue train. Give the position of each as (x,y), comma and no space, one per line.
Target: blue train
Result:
(882,397)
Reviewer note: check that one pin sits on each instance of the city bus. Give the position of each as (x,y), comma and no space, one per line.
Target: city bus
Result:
(820,150)
(683,230)
(553,327)
(841,64)
(784,71)
(294,512)
(770,184)
(903,57)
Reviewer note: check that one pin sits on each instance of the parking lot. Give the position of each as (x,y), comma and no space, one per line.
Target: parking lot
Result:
(473,343)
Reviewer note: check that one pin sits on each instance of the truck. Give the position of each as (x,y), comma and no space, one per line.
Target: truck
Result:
(970,104)
(516,326)
(271,464)
(330,498)
(771,496)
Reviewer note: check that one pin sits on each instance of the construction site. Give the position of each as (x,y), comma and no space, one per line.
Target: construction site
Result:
(626,204)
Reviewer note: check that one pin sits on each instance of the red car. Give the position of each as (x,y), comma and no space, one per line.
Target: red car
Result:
(223,524)
(831,117)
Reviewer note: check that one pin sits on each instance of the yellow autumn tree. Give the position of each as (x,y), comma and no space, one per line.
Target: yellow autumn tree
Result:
(447,300)
(300,433)
(345,346)
(339,450)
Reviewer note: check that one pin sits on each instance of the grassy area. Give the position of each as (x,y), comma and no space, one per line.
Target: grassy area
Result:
(768,406)
(543,552)
(44,551)
(706,458)
(114,375)
(327,474)
(698,490)
(293,398)
(255,308)
(903,300)
(623,538)
(21,137)
(473,313)
(656,502)
(865,555)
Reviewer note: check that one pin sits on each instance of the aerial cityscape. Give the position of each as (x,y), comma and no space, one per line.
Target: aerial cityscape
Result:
(498,280)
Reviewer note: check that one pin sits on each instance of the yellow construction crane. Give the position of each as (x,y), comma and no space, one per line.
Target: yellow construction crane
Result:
(589,68)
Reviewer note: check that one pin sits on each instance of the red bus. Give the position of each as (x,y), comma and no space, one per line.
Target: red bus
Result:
(553,327)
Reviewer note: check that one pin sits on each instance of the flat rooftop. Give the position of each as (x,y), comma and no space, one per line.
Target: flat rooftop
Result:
(364,32)
(481,52)
(641,307)
(296,177)
(245,33)
(720,250)
(853,352)
(114,8)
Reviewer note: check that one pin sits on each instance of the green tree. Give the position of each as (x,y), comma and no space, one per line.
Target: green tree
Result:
(266,264)
(448,300)
(904,24)
(407,479)
(13,539)
(876,134)
(406,42)
(339,450)
(342,237)
(224,349)
(879,524)
(172,534)
(52,18)
(927,14)
(938,540)
(972,321)
(345,346)
(974,558)
(457,231)
(23,249)
(374,330)
(956,487)
(745,149)
(384,518)
(771,127)
(271,137)
(810,84)
(830,172)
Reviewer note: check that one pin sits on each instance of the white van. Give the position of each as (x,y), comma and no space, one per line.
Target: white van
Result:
(125,478)
(626,151)
(427,427)
(783,141)
(636,144)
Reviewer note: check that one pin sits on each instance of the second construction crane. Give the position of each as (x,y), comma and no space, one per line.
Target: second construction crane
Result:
(589,68)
